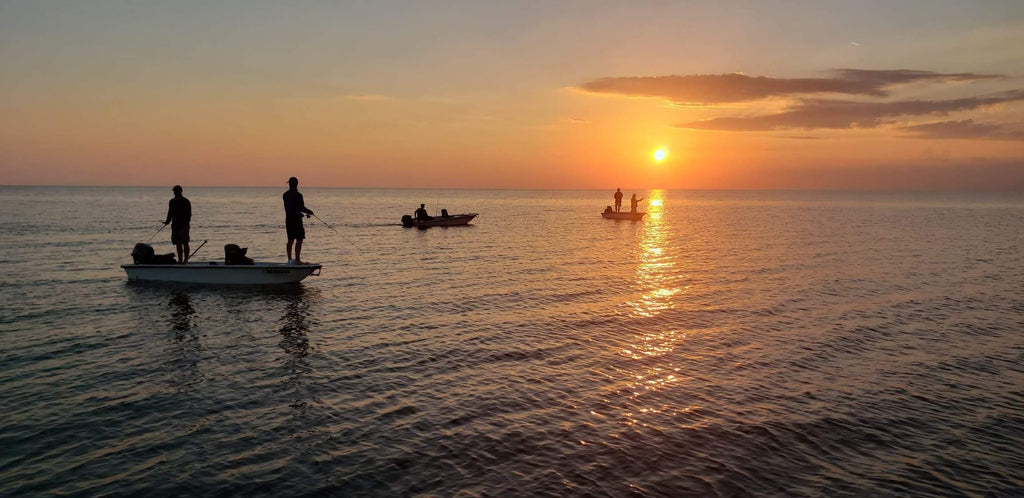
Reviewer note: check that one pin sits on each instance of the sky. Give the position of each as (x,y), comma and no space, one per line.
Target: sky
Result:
(908,94)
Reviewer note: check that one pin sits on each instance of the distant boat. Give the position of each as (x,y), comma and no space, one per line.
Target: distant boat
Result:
(621,215)
(438,221)
(219,273)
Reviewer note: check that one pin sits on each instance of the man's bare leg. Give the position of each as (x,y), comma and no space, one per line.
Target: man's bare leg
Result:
(184,252)
(290,241)
(298,251)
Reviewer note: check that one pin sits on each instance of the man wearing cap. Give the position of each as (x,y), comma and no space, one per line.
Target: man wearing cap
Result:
(294,208)
(179,214)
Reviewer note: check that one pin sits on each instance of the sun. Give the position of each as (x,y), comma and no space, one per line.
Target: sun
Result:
(660,155)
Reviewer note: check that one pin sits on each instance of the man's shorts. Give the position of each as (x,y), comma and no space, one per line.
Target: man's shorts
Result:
(179,234)
(294,228)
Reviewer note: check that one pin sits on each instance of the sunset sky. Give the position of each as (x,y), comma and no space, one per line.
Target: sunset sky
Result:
(889,94)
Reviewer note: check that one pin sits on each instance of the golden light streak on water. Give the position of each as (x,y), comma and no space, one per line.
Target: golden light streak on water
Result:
(656,278)
(655,273)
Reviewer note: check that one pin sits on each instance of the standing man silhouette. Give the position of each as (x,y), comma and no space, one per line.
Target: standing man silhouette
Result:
(179,214)
(618,199)
(633,201)
(294,208)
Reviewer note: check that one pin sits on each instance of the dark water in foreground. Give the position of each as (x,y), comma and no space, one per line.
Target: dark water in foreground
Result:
(732,343)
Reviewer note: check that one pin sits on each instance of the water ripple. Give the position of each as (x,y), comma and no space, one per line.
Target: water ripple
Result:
(731,344)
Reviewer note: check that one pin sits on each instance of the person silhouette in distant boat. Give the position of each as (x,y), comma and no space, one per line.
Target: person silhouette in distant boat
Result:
(294,208)
(618,200)
(421,214)
(179,214)
(633,201)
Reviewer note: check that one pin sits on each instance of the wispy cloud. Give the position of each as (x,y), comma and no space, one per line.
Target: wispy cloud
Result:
(368,98)
(843,114)
(731,88)
(966,128)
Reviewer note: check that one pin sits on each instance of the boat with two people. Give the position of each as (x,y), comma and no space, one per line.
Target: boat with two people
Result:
(617,214)
(420,219)
(236,269)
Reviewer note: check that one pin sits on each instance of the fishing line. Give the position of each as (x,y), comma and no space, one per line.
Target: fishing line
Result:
(335,231)
(325,224)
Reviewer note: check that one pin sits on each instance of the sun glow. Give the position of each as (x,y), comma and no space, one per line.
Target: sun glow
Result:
(660,155)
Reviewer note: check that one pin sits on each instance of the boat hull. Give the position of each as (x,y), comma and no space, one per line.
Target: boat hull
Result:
(622,216)
(440,221)
(221,274)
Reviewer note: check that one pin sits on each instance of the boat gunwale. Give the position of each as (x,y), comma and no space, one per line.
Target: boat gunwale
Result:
(623,215)
(200,266)
(462,219)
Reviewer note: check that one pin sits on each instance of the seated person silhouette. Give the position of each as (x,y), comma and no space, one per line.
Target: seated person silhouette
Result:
(421,214)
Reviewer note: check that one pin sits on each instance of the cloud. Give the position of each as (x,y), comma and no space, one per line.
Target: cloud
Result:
(888,77)
(368,98)
(727,88)
(843,114)
(966,128)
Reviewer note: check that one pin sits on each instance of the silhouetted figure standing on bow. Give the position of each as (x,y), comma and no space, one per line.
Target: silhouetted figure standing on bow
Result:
(294,208)
(618,200)
(179,214)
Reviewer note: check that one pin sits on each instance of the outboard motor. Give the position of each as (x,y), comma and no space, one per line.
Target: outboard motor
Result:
(143,254)
(234,255)
(407,221)
(444,214)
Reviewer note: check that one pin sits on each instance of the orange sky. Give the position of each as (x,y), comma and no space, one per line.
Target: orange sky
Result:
(469,94)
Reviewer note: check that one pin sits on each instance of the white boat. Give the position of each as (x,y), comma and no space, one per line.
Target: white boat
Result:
(439,221)
(621,215)
(219,273)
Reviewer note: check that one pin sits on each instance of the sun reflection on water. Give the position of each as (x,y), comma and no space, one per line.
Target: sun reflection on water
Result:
(651,367)
(654,274)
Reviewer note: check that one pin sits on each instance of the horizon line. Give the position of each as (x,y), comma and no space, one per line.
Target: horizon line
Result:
(1008,190)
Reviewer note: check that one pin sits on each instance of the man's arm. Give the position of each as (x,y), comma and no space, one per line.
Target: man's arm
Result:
(302,206)
(169,204)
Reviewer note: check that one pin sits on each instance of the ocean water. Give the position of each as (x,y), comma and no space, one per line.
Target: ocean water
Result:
(730,344)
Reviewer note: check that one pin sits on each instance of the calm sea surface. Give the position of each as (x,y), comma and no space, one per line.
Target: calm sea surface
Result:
(731,343)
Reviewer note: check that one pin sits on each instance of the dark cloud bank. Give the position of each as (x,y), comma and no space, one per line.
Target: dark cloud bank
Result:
(731,88)
(841,114)
(818,113)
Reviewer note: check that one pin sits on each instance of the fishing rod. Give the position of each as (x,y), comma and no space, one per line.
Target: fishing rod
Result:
(335,231)
(325,224)
(158,231)
(197,250)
